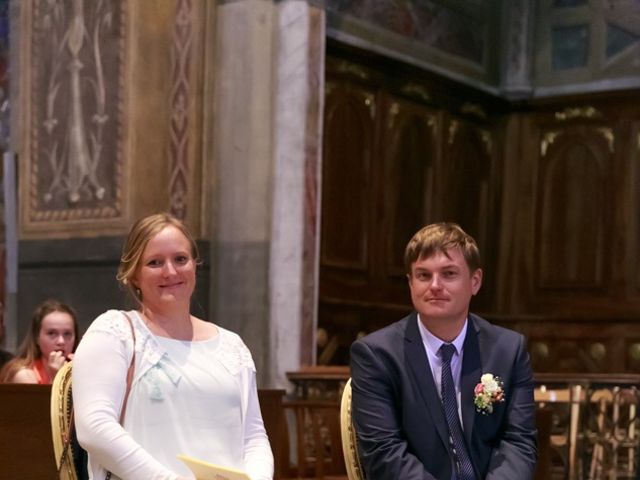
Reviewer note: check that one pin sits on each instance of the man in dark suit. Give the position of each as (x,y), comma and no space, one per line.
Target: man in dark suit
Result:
(443,394)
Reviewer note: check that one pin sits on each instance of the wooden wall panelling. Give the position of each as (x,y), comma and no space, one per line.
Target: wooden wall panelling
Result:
(574,224)
(408,176)
(578,344)
(573,230)
(469,191)
(348,146)
(631,220)
(420,154)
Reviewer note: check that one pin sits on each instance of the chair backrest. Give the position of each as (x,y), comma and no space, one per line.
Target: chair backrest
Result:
(349,437)
(61,408)
(571,398)
(612,431)
(315,435)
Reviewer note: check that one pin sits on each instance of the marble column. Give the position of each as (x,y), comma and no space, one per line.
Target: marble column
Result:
(266,155)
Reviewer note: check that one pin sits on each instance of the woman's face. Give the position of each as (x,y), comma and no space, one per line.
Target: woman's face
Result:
(56,334)
(166,275)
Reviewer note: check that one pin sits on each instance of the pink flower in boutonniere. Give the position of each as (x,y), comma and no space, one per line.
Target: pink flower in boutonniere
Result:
(488,392)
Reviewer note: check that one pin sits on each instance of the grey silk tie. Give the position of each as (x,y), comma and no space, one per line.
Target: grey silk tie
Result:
(461,459)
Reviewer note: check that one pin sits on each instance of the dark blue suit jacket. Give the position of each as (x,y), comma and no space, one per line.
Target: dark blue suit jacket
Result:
(398,415)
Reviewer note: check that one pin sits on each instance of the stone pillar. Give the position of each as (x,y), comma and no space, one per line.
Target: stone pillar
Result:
(517,51)
(266,139)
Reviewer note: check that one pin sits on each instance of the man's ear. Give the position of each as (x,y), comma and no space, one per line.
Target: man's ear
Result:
(476,281)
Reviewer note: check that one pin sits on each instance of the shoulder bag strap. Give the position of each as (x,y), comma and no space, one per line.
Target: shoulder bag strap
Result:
(130,371)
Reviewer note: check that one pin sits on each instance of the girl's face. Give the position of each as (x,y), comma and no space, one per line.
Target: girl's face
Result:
(56,334)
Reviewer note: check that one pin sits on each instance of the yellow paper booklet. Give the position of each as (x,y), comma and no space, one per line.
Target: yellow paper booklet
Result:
(209,471)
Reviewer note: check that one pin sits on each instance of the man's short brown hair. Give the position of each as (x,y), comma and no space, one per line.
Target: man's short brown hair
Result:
(440,237)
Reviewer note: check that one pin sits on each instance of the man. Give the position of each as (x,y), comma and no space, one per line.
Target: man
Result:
(415,381)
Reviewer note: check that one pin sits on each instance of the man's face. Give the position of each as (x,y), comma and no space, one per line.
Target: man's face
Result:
(442,286)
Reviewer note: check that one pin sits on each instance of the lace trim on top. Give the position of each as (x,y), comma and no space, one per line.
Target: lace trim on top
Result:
(232,353)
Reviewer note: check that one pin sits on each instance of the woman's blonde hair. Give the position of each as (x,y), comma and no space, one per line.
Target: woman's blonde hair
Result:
(141,232)
(29,350)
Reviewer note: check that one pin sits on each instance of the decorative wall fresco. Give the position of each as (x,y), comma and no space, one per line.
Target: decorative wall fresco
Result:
(457,31)
(76,63)
(181,53)
(580,42)
(4,74)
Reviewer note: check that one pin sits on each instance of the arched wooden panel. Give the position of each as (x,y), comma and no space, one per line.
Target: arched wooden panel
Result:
(572,214)
(348,133)
(467,171)
(409,163)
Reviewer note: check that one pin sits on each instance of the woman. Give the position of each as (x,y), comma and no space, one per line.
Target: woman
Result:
(193,390)
(50,342)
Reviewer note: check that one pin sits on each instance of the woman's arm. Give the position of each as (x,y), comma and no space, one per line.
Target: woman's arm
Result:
(24,375)
(258,458)
(99,381)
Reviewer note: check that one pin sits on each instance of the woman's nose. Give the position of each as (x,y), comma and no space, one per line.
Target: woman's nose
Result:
(169,269)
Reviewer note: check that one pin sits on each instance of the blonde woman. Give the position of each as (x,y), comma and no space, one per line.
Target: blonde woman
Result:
(193,390)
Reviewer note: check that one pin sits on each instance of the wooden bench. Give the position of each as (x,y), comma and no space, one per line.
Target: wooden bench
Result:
(25,430)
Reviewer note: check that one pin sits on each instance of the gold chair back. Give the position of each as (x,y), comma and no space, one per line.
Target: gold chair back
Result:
(349,437)
(61,408)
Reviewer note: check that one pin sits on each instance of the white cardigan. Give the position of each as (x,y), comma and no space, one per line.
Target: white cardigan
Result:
(99,372)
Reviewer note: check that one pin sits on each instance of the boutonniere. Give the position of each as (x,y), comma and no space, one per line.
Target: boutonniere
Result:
(488,392)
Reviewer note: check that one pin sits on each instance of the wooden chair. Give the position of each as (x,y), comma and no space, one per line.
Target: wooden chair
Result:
(349,437)
(564,439)
(61,408)
(612,433)
(315,432)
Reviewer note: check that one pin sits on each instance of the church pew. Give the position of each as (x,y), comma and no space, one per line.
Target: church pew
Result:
(26,447)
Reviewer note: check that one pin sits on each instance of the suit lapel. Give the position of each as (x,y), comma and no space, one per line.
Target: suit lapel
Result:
(470,376)
(418,364)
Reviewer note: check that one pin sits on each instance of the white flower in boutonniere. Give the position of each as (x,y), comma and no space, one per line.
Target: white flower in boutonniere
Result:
(488,392)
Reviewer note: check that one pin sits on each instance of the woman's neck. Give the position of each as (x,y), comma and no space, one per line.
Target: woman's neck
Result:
(172,324)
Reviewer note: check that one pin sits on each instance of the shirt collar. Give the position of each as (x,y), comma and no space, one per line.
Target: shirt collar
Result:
(433,343)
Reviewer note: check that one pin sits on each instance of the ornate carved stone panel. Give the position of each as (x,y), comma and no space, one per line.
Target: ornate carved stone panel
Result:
(72,162)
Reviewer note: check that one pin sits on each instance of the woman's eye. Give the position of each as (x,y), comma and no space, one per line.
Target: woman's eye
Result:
(154,263)
(182,259)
